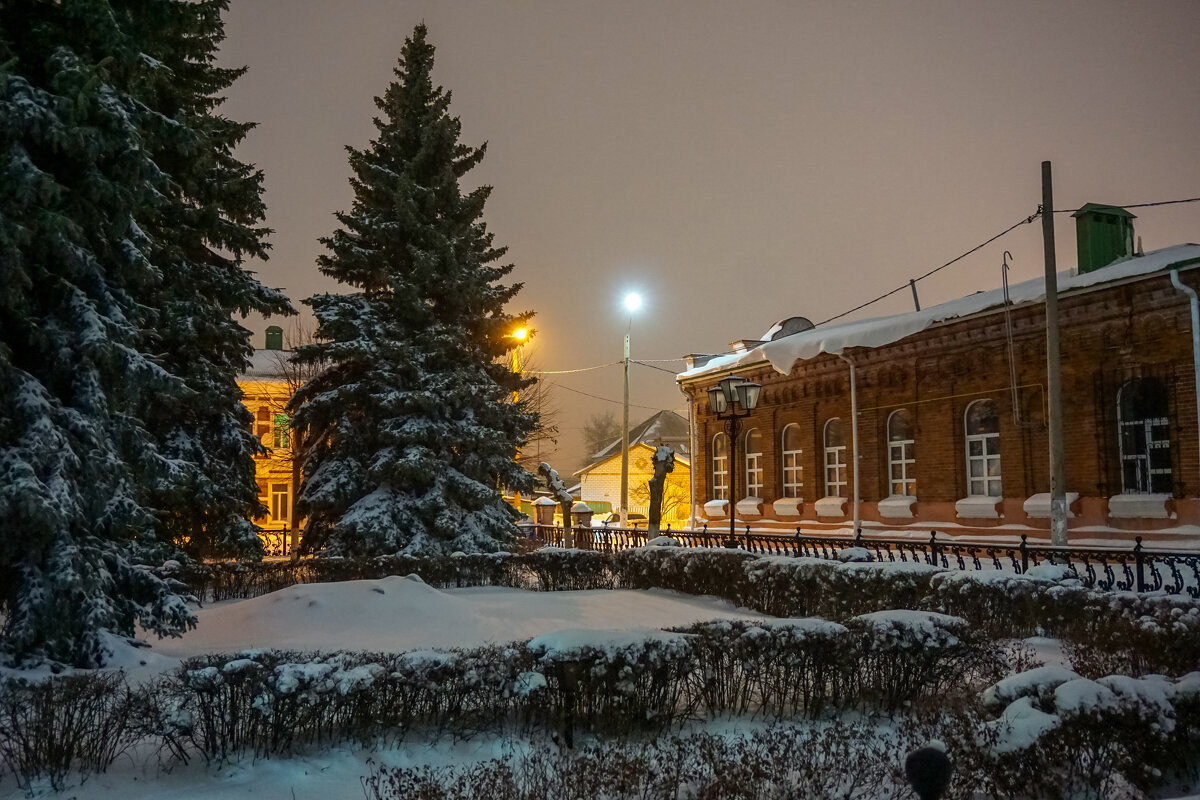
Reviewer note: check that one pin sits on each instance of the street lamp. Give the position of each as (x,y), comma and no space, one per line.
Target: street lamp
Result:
(633,301)
(725,398)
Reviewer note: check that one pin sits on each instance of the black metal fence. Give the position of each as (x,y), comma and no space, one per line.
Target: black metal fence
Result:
(1137,568)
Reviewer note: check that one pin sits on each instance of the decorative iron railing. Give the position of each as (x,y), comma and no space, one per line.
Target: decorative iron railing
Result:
(1139,568)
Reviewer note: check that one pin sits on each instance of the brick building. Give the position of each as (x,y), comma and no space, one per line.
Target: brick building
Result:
(952,408)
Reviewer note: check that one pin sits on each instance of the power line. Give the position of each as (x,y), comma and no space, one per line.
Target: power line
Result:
(651,366)
(606,399)
(956,259)
(1132,205)
(569,371)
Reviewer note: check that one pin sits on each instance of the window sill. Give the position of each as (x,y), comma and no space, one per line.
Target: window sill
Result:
(830,507)
(1139,506)
(978,507)
(897,506)
(1038,506)
(716,508)
(788,507)
(749,506)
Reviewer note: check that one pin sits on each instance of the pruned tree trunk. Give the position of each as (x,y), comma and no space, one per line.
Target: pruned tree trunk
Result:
(664,463)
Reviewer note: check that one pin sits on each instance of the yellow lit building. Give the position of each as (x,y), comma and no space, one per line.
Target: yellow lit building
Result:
(600,481)
(266,386)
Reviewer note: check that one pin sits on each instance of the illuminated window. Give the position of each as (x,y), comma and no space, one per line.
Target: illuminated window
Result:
(754,463)
(835,459)
(262,425)
(793,472)
(279,502)
(983,450)
(901,454)
(720,467)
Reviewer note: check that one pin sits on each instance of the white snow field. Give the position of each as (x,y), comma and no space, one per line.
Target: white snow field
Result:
(391,615)
(398,614)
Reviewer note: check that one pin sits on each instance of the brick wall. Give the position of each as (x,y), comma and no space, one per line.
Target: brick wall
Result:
(1109,335)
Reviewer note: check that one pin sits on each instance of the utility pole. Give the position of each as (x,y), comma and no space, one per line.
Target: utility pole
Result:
(625,440)
(1058,496)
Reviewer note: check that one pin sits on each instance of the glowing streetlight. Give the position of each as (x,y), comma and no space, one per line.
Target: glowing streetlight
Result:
(633,301)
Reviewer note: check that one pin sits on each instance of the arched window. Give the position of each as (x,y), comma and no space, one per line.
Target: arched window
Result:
(720,467)
(835,459)
(754,463)
(902,459)
(983,449)
(1142,410)
(793,472)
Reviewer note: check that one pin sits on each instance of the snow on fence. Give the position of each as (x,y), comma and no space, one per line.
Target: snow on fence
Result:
(1136,568)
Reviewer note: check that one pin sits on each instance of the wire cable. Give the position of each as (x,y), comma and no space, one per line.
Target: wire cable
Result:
(954,260)
(569,371)
(606,399)
(1133,205)
(651,366)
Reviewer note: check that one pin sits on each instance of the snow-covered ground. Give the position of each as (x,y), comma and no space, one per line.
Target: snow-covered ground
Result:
(394,614)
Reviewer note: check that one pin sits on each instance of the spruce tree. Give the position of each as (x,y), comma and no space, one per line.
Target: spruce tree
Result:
(206,225)
(413,423)
(102,430)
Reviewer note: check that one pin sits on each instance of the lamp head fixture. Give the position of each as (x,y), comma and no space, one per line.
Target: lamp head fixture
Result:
(734,391)
(633,301)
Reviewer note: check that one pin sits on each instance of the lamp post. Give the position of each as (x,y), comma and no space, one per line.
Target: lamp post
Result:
(519,335)
(633,301)
(725,398)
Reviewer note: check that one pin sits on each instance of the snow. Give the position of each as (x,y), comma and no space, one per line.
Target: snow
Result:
(402,614)
(783,353)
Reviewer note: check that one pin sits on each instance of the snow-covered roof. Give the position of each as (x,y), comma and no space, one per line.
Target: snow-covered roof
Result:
(784,352)
(266,365)
(665,427)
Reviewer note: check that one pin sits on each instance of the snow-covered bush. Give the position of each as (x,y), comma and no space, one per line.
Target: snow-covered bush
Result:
(778,668)
(615,682)
(569,570)
(699,571)
(48,728)
(803,587)
(1059,734)
(907,656)
(845,760)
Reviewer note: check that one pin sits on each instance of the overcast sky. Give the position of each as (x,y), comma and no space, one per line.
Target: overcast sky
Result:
(737,163)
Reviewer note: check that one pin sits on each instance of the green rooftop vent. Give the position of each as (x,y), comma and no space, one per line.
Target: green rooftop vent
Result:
(274,338)
(1104,234)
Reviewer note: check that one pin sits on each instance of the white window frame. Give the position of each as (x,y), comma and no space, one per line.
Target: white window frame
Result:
(835,462)
(902,460)
(1141,461)
(720,469)
(982,449)
(793,470)
(281,495)
(754,465)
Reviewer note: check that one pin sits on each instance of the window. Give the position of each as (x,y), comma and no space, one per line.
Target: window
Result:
(754,463)
(279,502)
(720,467)
(901,454)
(835,459)
(281,430)
(1144,437)
(793,473)
(983,449)
(262,424)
